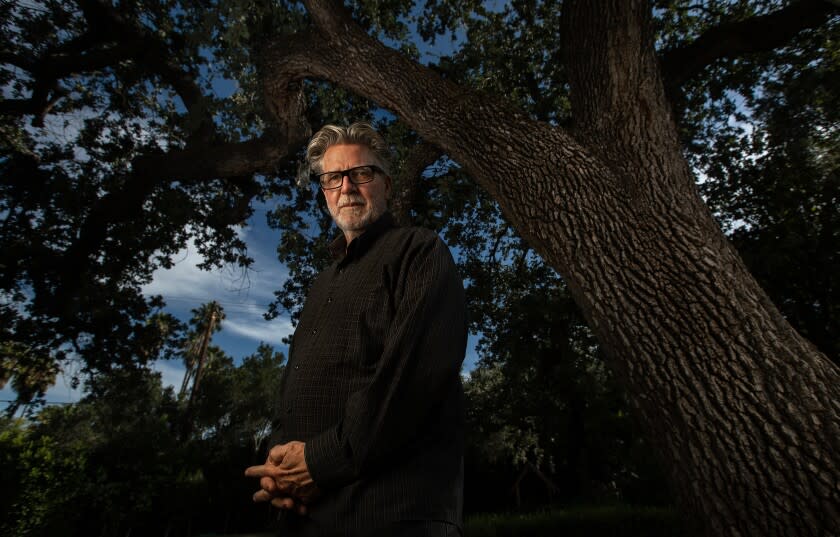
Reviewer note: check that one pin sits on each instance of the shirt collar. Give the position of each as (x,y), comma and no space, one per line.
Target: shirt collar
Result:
(339,247)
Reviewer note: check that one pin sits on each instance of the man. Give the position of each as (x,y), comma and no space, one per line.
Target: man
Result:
(369,434)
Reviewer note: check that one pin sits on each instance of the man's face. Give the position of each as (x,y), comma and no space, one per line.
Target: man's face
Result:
(355,207)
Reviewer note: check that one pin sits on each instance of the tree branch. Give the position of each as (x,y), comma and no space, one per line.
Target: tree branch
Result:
(339,51)
(330,16)
(408,180)
(215,161)
(756,34)
(18,107)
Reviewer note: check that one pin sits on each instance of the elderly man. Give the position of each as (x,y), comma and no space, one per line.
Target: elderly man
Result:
(369,432)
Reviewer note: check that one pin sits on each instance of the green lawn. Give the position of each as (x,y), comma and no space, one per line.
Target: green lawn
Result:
(589,521)
(579,521)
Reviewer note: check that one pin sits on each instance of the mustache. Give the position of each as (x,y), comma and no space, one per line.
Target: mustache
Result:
(349,199)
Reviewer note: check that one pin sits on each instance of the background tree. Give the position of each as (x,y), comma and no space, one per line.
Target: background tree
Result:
(117,462)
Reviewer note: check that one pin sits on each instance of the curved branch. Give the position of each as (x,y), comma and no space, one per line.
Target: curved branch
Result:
(339,51)
(756,34)
(408,180)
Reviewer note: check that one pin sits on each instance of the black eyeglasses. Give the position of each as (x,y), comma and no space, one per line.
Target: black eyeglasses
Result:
(358,176)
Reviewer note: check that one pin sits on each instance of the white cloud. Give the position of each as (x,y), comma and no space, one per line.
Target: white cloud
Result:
(171,373)
(243,295)
(230,284)
(258,329)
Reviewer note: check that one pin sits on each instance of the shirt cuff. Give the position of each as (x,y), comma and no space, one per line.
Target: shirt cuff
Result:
(328,464)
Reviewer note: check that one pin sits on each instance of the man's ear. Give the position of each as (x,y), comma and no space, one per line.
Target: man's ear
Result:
(388,187)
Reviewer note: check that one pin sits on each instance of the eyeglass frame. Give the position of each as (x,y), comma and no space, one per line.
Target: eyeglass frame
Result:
(346,173)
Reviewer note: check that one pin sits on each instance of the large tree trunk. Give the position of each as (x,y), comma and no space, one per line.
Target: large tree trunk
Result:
(744,411)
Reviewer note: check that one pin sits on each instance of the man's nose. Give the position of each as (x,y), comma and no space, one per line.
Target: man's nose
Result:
(347,185)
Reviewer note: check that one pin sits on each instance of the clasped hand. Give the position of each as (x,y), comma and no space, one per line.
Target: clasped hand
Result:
(285,479)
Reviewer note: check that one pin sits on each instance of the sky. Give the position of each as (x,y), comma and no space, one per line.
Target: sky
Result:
(243,295)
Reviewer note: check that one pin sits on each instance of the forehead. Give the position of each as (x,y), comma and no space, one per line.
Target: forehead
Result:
(343,156)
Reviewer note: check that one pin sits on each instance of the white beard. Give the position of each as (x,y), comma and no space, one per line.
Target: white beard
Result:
(356,218)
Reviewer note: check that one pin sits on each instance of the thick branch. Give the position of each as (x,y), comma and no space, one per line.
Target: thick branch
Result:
(330,16)
(617,96)
(214,161)
(19,107)
(408,180)
(734,39)
(465,119)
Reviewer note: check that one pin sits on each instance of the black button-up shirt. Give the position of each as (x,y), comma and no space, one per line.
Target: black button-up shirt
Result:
(373,381)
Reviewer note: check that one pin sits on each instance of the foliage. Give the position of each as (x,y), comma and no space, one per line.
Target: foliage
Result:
(117,461)
(72,164)
(509,49)
(83,228)
(40,477)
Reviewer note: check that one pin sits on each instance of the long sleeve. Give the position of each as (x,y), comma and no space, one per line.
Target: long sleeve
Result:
(419,365)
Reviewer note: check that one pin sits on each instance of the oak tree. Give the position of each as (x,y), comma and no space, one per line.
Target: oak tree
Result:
(743,410)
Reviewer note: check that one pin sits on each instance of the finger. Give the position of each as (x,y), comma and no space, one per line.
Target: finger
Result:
(262,496)
(283,503)
(268,484)
(263,470)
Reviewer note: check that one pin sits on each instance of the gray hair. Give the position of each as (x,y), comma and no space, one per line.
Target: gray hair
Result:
(358,133)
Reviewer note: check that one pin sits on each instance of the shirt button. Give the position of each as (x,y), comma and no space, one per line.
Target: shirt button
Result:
(297,367)
(314,331)
(289,409)
(329,299)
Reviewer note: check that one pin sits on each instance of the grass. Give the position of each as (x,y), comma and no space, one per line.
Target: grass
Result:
(577,521)
(589,521)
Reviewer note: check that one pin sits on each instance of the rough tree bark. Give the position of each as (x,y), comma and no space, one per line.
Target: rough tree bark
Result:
(744,412)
